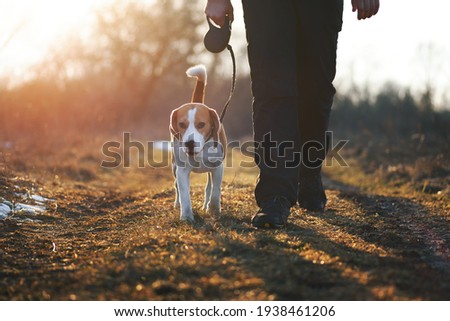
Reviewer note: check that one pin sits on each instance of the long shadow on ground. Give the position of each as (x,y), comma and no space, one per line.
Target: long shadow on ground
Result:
(132,247)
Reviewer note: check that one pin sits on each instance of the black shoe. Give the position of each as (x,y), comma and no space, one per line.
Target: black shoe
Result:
(311,195)
(273,213)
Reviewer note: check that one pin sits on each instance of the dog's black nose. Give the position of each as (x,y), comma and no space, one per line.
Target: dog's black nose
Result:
(190,144)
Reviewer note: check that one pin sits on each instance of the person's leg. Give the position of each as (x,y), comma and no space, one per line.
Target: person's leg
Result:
(319,24)
(271,36)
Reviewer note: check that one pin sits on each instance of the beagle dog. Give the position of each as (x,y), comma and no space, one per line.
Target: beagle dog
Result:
(199,145)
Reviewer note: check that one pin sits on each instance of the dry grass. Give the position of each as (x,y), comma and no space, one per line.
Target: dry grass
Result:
(113,234)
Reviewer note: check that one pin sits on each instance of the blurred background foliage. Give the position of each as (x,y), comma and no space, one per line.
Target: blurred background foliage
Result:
(129,75)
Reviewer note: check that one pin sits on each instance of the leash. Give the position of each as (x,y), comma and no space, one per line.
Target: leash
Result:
(233,83)
(233,86)
(216,40)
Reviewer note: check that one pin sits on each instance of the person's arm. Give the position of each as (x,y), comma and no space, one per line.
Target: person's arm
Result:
(216,10)
(366,8)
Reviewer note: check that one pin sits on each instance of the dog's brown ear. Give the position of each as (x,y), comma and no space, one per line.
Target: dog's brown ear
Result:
(215,120)
(173,126)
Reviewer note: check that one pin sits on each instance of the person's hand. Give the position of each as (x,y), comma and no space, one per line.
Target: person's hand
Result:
(216,10)
(366,8)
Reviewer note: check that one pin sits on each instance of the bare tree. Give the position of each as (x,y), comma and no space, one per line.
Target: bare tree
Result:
(143,43)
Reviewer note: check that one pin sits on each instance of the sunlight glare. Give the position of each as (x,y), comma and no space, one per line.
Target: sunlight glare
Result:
(31,27)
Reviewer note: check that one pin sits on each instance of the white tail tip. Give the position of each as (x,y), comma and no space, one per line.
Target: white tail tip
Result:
(198,71)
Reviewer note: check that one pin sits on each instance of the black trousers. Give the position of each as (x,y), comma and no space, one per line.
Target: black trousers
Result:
(292,54)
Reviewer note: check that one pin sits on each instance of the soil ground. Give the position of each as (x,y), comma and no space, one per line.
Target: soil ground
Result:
(113,234)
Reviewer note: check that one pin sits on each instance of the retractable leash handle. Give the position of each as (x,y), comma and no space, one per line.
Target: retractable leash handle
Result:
(216,40)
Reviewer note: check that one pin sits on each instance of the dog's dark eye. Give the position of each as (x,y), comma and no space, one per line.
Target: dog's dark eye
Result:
(200,125)
(182,125)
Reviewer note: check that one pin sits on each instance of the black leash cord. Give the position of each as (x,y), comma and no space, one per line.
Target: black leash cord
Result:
(233,83)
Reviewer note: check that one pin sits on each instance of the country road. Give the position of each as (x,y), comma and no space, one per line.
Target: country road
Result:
(114,235)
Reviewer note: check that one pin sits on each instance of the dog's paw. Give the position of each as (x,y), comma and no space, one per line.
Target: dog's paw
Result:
(213,209)
(187,217)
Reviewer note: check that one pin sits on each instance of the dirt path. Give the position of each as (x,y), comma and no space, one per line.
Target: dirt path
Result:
(115,235)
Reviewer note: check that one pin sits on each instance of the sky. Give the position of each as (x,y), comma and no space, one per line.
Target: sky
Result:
(407,43)
(38,26)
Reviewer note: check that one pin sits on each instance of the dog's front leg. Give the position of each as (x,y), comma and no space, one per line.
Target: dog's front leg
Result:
(214,203)
(207,192)
(183,183)
(176,203)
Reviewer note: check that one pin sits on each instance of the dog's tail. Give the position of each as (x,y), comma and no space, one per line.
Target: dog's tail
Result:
(199,71)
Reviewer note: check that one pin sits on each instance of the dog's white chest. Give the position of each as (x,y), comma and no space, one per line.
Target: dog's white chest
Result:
(205,161)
